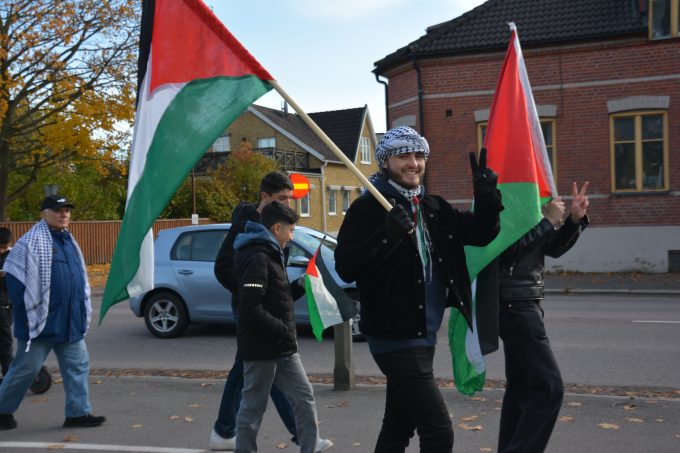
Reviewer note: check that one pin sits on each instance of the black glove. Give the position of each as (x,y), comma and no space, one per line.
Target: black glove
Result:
(397,222)
(483,178)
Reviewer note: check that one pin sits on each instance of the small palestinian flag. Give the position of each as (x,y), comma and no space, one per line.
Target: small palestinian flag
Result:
(327,303)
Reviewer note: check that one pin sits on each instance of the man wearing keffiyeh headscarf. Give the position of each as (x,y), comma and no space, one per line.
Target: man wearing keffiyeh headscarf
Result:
(409,266)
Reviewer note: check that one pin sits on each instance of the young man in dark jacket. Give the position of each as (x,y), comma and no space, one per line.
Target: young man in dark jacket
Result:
(409,266)
(275,186)
(266,331)
(534,388)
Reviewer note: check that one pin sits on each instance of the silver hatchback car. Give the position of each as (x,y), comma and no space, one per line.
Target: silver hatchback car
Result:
(186,290)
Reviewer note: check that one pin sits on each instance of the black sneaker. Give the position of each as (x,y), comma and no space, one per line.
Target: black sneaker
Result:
(86,421)
(7,422)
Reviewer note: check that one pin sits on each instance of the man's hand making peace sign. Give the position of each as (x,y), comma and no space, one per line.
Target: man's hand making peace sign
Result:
(580,202)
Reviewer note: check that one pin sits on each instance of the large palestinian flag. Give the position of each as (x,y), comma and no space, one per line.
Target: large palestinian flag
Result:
(517,153)
(194,79)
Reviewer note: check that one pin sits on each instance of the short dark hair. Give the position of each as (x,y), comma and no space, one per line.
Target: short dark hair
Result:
(275,182)
(276,212)
(5,236)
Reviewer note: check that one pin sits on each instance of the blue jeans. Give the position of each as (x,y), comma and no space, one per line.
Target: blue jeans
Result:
(74,366)
(288,373)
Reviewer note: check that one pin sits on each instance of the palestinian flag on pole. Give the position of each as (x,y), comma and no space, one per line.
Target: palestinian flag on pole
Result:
(194,79)
(516,152)
(327,303)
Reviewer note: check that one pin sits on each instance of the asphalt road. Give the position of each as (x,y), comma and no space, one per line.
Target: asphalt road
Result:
(598,341)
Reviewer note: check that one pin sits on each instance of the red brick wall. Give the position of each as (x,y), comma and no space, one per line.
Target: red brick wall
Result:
(582,120)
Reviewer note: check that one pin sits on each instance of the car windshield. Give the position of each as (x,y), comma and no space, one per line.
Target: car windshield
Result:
(311,242)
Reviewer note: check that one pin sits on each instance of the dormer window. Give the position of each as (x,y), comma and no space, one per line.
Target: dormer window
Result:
(664,16)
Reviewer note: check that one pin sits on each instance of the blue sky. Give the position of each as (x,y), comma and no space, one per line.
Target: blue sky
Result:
(322,51)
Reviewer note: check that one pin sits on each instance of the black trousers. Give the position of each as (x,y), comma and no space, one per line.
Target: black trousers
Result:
(5,337)
(534,389)
(413,402)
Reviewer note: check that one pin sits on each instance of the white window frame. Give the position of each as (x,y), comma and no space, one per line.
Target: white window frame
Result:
(266,142)
(332,202)
(345,201)
(365,150)
(305,212)
(222,144)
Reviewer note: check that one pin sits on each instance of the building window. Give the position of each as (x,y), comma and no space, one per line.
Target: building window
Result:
(332,195)
(548,127)
(267,142)
(221,145)
(365,147)
(664,16)
(345,201)
(304,206)
(639,152)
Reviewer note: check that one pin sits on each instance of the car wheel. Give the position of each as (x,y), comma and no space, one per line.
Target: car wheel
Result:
(357,334)
(165,315)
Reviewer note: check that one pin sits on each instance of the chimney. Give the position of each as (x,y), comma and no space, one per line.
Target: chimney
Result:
(285,107)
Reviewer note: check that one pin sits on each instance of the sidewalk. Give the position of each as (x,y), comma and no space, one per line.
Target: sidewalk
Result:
(175,415)
(614,283)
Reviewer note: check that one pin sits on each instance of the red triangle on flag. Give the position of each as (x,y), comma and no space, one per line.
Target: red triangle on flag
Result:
(190,43)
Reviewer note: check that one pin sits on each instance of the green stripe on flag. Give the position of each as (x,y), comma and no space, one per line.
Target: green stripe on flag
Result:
(314,316)
(522,212)
(200,112)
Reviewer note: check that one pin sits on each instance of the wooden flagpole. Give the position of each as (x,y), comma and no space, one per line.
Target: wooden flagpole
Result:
(332,146)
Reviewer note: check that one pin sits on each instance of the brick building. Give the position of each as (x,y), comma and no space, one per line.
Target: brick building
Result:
(606,81)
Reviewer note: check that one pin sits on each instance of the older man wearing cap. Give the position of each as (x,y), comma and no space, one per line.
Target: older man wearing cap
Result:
(409,266)
(48,286)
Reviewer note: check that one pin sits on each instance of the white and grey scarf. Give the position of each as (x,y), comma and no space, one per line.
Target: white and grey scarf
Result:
(30,262)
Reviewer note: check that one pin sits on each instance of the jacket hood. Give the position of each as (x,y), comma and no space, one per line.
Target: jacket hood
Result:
(256,233)
(245,211)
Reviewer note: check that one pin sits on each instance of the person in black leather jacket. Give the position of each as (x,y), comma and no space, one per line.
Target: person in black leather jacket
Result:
(534,388)
(409,266)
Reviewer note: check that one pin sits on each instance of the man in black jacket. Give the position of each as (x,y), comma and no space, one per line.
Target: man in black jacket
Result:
(534,388)
(266,338)
(275,186)
(409,266)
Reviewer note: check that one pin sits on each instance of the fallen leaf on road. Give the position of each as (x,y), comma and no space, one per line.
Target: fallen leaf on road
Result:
(132,393)
(98,382)
(343,404)
(356,444)
(174,417)
(282,445)
(188,419)
(195,405)
(660,420)
(630,407)
(206,384)
(71,438)
(470,418)
(467,427)
(635,420)
(58,381)
(608,426)
(677,436)
(40,400)
(485,449)
(574,404)
(137,426)
(651,401)
(478,398)
(566,418)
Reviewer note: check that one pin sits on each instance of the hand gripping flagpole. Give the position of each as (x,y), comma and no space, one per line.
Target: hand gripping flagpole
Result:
(332,146)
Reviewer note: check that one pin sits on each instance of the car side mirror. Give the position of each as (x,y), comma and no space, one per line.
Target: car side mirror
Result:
(298,261)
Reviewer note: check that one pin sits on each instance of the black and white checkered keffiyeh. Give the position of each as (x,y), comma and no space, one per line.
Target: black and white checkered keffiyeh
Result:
(30,262)
(400,140)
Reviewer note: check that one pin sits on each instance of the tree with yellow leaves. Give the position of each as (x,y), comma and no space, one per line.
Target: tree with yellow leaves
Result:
(67,87)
